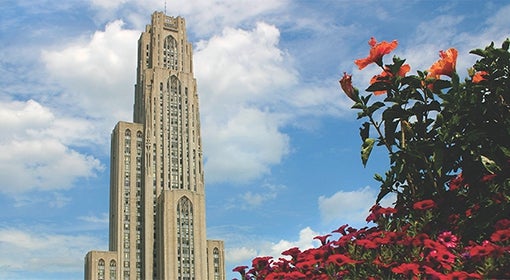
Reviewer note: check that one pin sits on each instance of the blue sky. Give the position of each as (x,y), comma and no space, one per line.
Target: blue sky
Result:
(281,145)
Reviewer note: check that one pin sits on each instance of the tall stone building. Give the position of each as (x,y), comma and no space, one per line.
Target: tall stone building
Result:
(157,196)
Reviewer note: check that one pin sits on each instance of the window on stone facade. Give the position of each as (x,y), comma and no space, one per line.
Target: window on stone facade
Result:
(100,269)
(170,56)
(185,245)
(113,270)
(216,263)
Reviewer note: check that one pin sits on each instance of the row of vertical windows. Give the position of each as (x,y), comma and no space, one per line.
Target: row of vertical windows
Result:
(127,206)
(185,237)
(101,270)
(139,146)
(175,164)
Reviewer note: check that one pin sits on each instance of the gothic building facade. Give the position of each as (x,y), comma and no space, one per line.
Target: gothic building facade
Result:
(157,195)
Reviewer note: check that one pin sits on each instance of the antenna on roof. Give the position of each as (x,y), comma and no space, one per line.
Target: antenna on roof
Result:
(165,7)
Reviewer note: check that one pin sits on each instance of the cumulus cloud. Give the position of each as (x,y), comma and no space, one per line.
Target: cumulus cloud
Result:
(269,248)
(350,207)
(211,15)
(97,74)
(244,147)
(239,75)
(34,156)
(26,250)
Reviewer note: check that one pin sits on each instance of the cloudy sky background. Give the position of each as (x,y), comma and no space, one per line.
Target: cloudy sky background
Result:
(280,142)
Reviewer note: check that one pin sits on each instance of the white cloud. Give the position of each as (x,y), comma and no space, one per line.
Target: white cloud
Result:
(350,207)
(97,74)
(102,219)
(241,66)
(244,147)
(304,242)
(33,156)
(269,248)
(253,199)
(210,15)
(241,254)
(240,74)
(25,250)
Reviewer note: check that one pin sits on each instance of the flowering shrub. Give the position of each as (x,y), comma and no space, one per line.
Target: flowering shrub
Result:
(449,148)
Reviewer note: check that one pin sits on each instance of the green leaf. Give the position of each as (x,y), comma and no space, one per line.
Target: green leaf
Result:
(490,165)
(377,86)
(366,149)
(364,131)
(378,177)
(358,105)
(479,52)
(413,81)
(506,44)
(389,131)
(441,84)
(505,151)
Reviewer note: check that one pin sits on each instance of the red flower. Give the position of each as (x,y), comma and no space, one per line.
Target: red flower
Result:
(424,204)
(323,239)
(462,275)
(444,257)
(377,211)
(481,250)
(260,262)
(346,84)
(241,269)
(501,235)
(377,51)
(502,224)
(419,239)
(479,76)
(386,75)
(341,229)
(366,243)
(339,260)
(448,239)
(293,252)
(457,182)
(445,65)
(407,269)
(306,265)
(428,271)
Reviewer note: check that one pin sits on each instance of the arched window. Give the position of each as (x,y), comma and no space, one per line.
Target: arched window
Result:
(170,57)
(174,117)
(185,236)
(100,269)
(113,270)
(216,260)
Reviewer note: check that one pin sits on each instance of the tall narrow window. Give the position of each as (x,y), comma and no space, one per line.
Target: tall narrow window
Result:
(185,236)
(100,269)
(113,270)
(216,260)
(170,58)
(174,132)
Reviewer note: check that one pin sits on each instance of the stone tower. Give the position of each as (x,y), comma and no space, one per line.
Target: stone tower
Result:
(157,195)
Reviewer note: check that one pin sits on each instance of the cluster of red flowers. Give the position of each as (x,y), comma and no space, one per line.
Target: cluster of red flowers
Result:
(375,253)
(459,232)
(444,66)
